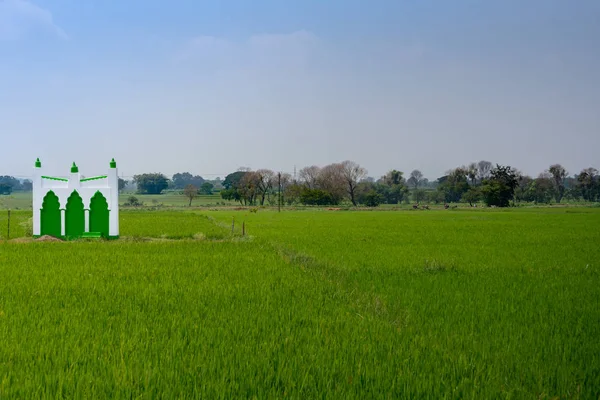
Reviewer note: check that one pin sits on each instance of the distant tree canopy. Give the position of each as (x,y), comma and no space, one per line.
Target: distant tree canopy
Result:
(122,184)
(152,183)
(8,184)
(27,185)
(5,189)
(454,185)
(498,190)
(206,188)
(183,179)
(233,179)
(588,184)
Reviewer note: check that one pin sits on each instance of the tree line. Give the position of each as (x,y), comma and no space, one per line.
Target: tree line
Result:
(347,181)
(477,182)
(9,184)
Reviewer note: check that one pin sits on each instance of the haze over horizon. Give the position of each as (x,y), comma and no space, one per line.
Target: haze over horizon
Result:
(207,87)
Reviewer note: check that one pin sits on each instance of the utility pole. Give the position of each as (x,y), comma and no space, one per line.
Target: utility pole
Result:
(279,186)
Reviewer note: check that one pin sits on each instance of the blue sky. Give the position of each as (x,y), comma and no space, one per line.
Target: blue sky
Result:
(209,86)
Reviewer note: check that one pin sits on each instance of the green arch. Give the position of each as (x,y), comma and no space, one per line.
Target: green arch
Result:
(99,214)
(50,215)
(74,216)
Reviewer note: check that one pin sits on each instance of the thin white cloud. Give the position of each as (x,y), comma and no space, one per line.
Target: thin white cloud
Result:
(21,17)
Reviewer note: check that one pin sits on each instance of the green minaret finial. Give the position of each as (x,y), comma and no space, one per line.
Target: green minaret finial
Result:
(74,168)
(38,163)
(113,163)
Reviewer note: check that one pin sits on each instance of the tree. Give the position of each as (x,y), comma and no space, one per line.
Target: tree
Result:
(248,188)
(588,184)
(309,176)
(419,195)
(331,180)
(541,189)
(292,192)
(372,199)
(182,179)
(122,184)
(472,196)
(27,185)
(133,201)
(436,196)
(454,185)
(483,170)
(558,174)
(232,180)
(316,197)
(392,187)
(191,192)
(153,183)
(10,181)
(393,177)
(352,173)
(231,194)
(264,183)
(207,188)
(499,189)
(5,189)
(285,180)
(415,178)
(522,189)
(472,172)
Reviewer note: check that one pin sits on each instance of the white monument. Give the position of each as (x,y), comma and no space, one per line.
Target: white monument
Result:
(72,207)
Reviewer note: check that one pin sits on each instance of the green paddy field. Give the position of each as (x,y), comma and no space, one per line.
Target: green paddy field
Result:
(308,304)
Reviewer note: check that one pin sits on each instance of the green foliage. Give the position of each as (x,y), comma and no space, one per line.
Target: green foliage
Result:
(231,195)
(419,195)
(5,189)
(316,197)
(232,180)
(133,202)
(181,180)
(153,183)
(191,192)
(588,184)
(372,199)
(541,191)
(472,196)
(499,189)
(122,184)
(436,196)
(559,174)
(454,185)
(313,304)
(207,188)
(8,184)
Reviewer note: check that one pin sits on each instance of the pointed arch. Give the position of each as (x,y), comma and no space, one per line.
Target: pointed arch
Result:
(74,216)
(99,214)
(50,215)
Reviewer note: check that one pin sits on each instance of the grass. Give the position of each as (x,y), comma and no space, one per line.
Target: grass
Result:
(478,304)
(23,200)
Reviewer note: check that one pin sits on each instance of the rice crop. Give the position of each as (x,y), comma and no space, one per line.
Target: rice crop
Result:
(438,304)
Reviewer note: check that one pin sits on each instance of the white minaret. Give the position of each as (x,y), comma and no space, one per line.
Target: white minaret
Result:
(113,201)
(38,197)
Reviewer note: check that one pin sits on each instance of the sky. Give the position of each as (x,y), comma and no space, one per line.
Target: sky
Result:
(210,86)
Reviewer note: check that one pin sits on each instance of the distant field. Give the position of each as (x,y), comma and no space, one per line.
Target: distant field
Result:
(23,200)
(313,303)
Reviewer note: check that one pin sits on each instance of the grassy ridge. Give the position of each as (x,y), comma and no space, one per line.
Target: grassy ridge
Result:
(312,304)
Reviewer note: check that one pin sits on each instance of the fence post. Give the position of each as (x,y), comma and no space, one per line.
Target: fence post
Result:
(244,228)
(8,227)
(232,224)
